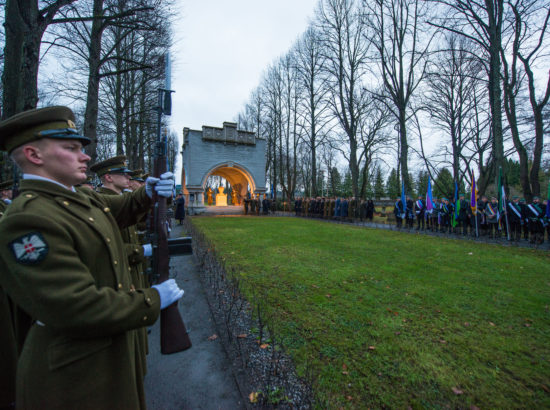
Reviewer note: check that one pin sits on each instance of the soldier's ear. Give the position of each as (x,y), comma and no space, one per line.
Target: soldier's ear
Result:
(33,154)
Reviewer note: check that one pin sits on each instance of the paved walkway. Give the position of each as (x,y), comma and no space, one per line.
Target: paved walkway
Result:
(197,378)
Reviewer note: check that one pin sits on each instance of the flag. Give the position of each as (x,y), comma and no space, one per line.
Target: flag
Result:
(403,198)
(473,195)
(500,192)
(429,198)
(457,206)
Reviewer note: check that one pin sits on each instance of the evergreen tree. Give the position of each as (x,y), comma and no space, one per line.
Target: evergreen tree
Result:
(393,185)
(444,185)
(379,189)
(335,182)
(347,187)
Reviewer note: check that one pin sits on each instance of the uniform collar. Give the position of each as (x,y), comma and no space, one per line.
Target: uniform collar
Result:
(40,178)
(52,188)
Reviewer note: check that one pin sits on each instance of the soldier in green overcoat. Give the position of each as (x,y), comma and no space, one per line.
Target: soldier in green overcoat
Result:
(8,339)
(115,180)
(62,260)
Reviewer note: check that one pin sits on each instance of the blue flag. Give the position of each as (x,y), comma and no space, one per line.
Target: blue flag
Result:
(403,198)
(429,198)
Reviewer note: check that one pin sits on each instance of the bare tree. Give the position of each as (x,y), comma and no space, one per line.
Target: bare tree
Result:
(401,52)
(25,24)
(450,99)
(530,23)
(310,64)
(346,55)
(482,22)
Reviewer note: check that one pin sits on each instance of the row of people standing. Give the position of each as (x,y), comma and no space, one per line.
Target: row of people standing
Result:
(516,218)
(345,209)
(255,206)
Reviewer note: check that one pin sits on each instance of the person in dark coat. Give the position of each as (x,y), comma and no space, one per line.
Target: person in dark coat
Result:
(180,209)
(370,210)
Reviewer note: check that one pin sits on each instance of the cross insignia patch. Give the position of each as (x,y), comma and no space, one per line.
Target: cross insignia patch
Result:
(29,249)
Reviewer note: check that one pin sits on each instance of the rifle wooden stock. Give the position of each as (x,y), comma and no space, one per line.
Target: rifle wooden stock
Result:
(173,334)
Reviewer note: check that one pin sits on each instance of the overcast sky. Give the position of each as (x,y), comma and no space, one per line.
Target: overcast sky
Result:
(222,48)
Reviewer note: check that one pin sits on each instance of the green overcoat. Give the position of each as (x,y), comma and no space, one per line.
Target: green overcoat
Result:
(63,261)
(136,257)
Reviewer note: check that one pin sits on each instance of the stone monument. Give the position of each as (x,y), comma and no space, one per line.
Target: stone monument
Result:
(221,198)
(236,155)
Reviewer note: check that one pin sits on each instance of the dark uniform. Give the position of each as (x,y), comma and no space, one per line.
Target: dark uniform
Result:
(515,218)
(63,261)
(535,214)
(399,212)
(492,217)
(420,211)
(8,339)
(464,214)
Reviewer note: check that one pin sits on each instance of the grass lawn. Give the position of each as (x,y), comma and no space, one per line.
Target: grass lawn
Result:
(380,318)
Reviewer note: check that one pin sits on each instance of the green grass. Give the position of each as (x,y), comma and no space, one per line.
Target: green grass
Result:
(388,319)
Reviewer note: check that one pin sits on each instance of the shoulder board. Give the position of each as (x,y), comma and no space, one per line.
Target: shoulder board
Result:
(22,201)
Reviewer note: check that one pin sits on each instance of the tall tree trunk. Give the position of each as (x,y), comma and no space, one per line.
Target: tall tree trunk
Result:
(92,94)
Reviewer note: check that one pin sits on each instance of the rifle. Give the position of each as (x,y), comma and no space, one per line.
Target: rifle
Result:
(173,334)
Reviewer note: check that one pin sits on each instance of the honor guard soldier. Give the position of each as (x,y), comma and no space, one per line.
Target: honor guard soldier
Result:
(492,217)
(515,218)
(8,338)
(115,180)
(420,210)
(535,213)
(62,260)
(464,214)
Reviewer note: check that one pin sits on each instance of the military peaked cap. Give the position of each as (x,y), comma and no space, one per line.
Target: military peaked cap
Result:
(51,122)
(137,175)
(114,165)
(6,185)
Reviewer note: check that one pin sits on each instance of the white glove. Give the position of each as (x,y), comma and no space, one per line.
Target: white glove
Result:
(163,185)
(169,292)
(147,250)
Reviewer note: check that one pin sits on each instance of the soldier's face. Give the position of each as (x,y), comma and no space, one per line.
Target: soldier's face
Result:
(64,161)
(121,181)
(134,185)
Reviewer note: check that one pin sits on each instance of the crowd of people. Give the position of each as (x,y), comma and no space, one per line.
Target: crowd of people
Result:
(253,205)
(517,220)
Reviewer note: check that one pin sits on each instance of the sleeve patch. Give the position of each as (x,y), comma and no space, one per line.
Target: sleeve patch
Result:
(29,249)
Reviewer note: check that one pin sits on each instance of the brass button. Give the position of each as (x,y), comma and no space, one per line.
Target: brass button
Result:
(120,285)
(28,196)
(66,203)
(108,240)
(136,250)
(91,219)
(148,300)
(144,318)
(115,262)
(129,268)
(106,209)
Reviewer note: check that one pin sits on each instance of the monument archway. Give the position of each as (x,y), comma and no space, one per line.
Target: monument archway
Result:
(235,155)
(236,174)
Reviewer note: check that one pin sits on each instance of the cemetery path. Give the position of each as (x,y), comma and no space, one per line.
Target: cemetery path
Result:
(200,377)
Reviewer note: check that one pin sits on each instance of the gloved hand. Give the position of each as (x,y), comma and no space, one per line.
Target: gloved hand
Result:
(163,185)
(147,250)
(169,292)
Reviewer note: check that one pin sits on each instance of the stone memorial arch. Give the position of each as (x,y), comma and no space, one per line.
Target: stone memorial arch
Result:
(236,155)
